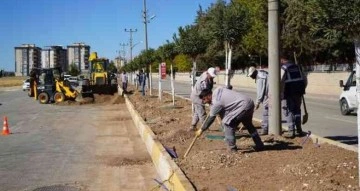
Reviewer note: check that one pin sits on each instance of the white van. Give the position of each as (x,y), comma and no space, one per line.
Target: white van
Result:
(348,100)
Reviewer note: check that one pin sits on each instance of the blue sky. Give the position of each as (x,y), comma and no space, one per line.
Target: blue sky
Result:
(98,23)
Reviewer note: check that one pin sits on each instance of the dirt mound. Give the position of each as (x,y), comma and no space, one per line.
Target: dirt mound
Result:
(285,164)
(97,99)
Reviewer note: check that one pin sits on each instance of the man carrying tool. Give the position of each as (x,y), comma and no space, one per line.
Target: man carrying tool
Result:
(293,84)
(234,108)
(205,82)
(262,90)
(124,80)
(142,82)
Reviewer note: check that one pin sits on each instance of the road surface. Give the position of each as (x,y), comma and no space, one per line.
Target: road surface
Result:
(88,147)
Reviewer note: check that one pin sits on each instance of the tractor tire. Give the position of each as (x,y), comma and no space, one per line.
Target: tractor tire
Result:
(43,98)
(59,97)
(344,107)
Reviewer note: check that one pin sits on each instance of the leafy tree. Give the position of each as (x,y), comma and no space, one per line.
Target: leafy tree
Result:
(74,70)
(190,42)
(255,41)
(112,68)
(183,63)
(227,24)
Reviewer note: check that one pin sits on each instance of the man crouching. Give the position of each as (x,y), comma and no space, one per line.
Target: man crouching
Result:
(234,108)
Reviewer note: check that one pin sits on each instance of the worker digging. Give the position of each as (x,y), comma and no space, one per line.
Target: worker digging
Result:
(234,108)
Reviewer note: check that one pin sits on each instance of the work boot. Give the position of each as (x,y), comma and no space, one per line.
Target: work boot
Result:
(192,128)
(263,132)
(290,134)
(233,149)
(299,132)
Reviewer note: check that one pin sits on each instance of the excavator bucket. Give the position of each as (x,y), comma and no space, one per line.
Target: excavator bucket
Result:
(83,96)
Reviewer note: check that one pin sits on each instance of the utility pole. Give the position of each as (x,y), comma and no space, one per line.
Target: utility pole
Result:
(274,68)
(123,45)
(146,20)
(131,31)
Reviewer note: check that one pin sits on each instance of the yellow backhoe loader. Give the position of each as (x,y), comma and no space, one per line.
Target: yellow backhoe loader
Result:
(101,82)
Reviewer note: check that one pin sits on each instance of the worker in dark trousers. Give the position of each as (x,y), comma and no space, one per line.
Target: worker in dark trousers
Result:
(205,82)
(262,90)
(234,108)
(293,84)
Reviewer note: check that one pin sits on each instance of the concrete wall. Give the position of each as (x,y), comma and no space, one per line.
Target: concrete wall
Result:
(318,83)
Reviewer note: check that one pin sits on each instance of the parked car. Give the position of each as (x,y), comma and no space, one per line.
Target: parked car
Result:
(26,84)
(73,81)
(348,101)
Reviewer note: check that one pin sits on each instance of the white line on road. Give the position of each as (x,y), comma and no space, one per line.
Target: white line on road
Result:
(343,120)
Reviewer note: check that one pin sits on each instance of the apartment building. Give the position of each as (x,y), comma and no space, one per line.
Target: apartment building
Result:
(54,56)
(119,62)
(27,56)
(78,54)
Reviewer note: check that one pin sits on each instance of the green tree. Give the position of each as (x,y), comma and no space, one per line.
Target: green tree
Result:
(183,62)
(227,24)
(255,41)
(112,68)
(74,69)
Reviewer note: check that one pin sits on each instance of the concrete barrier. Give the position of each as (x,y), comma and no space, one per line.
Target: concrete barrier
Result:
(171,175)
(318,83)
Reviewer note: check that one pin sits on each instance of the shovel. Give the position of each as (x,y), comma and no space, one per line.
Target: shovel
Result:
(306,115)
(192,143)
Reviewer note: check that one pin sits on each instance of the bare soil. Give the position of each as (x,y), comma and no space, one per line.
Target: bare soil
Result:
(285,164)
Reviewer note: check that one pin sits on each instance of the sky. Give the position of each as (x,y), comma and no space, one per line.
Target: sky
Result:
(98,23)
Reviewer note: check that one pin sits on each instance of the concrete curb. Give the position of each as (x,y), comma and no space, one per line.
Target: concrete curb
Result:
(170,173)
(320,140)
(315,138)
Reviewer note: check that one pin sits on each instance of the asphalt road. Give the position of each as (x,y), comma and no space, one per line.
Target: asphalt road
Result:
(87,147)
(325,119)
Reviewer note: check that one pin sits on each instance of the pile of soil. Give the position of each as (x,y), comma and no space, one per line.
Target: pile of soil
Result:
(285,164)
(98,99)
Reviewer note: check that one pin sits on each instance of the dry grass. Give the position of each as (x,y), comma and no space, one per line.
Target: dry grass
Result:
(12,81)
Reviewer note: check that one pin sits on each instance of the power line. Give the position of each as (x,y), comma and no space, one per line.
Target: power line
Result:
(131,31)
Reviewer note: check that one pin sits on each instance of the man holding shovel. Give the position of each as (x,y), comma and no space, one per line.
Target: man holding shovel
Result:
(206,81)
(293,84)
(234,108)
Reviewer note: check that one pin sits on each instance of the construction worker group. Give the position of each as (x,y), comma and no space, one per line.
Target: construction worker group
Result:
(235,107)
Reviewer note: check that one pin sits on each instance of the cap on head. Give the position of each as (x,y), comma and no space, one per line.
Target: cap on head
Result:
(212,72)
(251,71)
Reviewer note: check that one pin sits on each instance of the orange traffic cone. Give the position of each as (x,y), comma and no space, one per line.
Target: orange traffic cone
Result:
(6,130)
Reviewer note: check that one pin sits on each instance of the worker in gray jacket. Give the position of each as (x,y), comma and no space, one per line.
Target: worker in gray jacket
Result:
(234,108)
(205,82)
(262,90)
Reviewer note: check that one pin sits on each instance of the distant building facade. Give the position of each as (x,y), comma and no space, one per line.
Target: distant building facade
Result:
(27,56)
(119,62)
(54,56)
(78,54)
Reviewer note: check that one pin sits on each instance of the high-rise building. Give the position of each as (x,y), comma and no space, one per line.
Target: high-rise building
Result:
(54,56)
(27,56)
(78,54)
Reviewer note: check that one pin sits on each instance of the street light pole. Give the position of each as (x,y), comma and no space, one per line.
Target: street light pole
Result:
(131,40)
(146,20)
(274,68)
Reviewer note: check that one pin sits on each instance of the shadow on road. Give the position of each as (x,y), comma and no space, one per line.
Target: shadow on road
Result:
(350,140)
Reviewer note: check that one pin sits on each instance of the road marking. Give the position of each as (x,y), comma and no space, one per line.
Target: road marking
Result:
(343,120)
